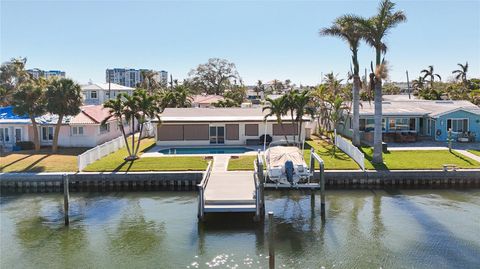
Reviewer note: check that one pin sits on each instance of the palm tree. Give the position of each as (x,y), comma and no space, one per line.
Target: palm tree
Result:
(461,73)
(337,115)
(429,72)
(260,87)
(347,29)
(117,110)
(277,108)
(64,98)
(320,97)
(179,96)
(289,103)
(303,107)
(147,107)
(30,100)
(148,81)
(374,31)
(418,84)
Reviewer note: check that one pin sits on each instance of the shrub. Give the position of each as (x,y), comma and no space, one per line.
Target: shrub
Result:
(26,145)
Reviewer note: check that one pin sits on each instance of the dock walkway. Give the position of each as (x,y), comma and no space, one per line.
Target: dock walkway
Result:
(229,191)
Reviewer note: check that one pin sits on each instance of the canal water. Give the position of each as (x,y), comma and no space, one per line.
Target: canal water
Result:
(362,229)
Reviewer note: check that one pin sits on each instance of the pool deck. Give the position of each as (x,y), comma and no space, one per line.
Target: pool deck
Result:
(154,152)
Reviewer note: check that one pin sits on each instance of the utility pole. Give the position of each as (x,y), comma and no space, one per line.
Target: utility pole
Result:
(408,85)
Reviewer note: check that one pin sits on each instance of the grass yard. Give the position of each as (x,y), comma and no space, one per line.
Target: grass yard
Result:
(474,151)
(340,160)
(115,162)
(65,160)
(418,159)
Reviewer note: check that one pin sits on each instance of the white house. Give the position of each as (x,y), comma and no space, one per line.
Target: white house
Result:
(83,130)
(98,93)
(221,126)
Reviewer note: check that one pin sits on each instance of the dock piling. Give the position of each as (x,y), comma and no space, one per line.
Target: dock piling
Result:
(271,248)
(66,197)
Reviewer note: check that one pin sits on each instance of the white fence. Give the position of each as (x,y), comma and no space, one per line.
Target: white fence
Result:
(99,151)
(350,150)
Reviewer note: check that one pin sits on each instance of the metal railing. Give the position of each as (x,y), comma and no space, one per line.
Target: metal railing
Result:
(350,150)
(201,191)
(99,151)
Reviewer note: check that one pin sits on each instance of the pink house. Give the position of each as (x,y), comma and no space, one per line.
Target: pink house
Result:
(83,130)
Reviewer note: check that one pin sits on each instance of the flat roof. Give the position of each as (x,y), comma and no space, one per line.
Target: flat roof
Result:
(418,108)
(217,115)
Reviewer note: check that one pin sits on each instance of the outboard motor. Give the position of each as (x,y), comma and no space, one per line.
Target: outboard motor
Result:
(289,171)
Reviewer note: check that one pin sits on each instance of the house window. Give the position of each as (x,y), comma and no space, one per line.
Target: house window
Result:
(368,125)
(18,135)
(402,124)
(93,95)
(105,128)
(457,125)
(4,137)
(77,130)
(47,133)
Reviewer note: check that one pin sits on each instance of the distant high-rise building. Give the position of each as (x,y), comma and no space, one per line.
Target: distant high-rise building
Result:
(132,77)
(36,73)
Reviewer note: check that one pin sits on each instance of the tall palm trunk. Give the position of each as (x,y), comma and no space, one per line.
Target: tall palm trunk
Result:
(55,135)
(122,129)
(139,138)
(377,135)
(36,138)
(132,156)
(293,126)
(356,111)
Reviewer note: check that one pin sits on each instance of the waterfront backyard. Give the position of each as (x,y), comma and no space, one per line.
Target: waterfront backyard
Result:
(393,160)
(381,228)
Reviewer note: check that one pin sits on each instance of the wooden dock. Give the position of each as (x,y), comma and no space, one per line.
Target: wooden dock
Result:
(228,191)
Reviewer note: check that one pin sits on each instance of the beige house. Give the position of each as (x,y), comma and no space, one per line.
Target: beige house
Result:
(221,126)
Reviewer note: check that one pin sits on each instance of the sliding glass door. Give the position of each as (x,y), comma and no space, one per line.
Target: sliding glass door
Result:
(217,135)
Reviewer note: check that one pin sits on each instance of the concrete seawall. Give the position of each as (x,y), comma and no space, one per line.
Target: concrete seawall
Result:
(145,181)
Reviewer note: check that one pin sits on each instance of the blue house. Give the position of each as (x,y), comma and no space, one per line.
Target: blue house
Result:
(412,120)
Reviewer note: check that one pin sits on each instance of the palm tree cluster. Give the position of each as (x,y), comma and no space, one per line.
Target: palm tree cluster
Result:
(372,30)
(295,104)
(36,96)
(140,107)
(426,87)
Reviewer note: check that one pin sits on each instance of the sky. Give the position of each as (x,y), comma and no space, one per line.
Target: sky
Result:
(265,39)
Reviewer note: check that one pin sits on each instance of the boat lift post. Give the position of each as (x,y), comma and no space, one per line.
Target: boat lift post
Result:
(259,180)
(321,181)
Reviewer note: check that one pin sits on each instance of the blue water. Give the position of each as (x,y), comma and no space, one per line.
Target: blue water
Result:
(214,150)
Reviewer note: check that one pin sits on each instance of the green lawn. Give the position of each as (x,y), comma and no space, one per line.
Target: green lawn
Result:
(116,162)
(474,151)
(418,159)
(340,160)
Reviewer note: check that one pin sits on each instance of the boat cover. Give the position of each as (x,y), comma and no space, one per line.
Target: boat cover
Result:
(277,156)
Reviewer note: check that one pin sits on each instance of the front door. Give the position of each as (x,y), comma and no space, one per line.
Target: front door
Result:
(217,135)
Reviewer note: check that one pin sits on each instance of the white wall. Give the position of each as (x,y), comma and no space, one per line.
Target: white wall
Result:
(242,137)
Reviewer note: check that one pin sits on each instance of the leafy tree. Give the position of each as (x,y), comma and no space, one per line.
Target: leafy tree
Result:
(29,100)
(390,88)
(149,82)
(347,28)
(214,77)
(179,96)
(374,31)
(226,103)
(64,98)
(12,76)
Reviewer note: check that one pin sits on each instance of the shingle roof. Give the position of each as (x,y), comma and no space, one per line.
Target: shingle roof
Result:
(418,108)
(104,86)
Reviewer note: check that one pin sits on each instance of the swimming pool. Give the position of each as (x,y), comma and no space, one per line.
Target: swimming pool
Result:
(214,150)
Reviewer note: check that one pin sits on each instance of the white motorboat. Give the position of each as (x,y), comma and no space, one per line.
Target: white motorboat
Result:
(285,164)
